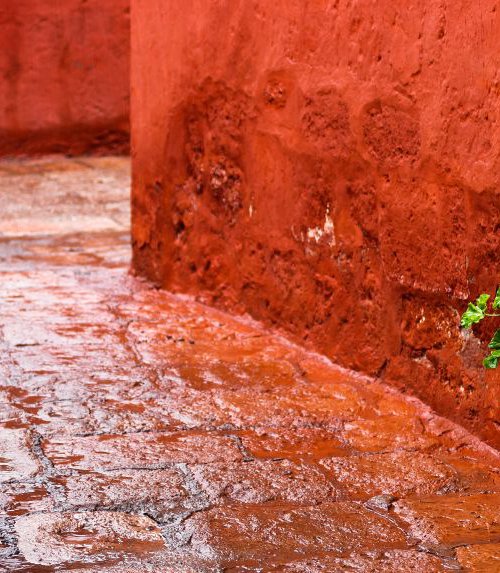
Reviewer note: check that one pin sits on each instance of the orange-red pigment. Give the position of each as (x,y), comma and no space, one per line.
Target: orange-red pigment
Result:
(64,76)
(332,168)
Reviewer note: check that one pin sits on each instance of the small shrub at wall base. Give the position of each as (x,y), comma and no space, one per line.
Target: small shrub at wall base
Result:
(476,312)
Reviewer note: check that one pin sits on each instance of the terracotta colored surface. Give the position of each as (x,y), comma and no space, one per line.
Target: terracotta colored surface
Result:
(480,558)
(331,168)
(64,76)
(141,431)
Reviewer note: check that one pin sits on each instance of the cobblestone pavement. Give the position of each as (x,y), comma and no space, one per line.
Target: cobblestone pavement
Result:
(140,431)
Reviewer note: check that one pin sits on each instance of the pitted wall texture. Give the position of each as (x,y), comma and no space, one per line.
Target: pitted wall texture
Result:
(64,76)
(332,168)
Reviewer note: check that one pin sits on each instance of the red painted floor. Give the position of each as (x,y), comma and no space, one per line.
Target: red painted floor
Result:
(141,431)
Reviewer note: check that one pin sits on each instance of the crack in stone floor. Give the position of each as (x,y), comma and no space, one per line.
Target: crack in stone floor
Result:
(142,431)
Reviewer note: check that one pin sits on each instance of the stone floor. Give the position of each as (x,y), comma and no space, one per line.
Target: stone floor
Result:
(140,431)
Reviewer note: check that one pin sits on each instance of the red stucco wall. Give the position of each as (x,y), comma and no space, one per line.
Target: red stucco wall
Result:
(333,168)
(64,75)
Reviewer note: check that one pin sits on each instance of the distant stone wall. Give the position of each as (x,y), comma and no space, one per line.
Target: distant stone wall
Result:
(64,76)
(332,168)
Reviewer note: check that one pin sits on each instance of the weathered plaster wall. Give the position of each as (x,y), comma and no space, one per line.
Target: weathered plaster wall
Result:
(333,168)
(64,75)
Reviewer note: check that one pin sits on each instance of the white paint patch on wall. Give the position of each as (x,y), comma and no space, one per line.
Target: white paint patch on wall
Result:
(328,230)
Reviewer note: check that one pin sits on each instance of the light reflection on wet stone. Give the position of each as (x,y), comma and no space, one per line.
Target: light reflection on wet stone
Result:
(140,431)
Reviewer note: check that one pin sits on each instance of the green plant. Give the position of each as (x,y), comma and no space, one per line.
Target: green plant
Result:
(477,311)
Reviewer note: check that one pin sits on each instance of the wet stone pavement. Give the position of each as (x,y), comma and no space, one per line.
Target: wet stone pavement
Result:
(141,431)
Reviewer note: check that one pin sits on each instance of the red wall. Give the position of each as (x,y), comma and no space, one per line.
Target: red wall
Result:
(333,168)
(64,75)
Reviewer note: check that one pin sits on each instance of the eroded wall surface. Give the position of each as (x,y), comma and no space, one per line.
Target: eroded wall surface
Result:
(332,168)
(64,76)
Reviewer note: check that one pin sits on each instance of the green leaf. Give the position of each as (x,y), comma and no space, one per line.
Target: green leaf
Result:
(495,341)
(472,315)
(482,301)
(496,302)
(491,361)
(475,312)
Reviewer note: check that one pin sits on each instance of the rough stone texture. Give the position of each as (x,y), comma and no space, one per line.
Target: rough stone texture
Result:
(283,532)
(64,76)
(157,493)
(441,522)
(144,450)
(480,558)
(21,497)
(331,168)
(397,474)
(303,443)
(263,481)
(17,461)
(126,408)
(395,561)
(50,539)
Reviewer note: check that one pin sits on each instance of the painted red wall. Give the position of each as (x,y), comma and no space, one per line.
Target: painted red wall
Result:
(333,168)
(64,75)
